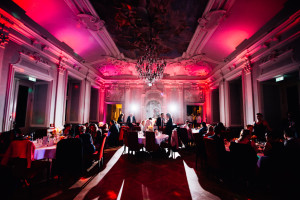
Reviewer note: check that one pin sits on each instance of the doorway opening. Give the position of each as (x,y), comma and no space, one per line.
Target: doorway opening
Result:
(194,114)
(73,100)
(31,104)
(279,99)
(236,102)
(113,112)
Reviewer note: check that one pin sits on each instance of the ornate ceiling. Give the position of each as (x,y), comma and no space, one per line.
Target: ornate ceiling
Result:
(193,36)
(131,23)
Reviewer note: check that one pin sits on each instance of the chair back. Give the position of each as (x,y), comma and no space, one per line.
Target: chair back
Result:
(23,149)
(5,139)
(200,148)
(133,142)
(101,150)
(183,135)
(243,157)
(125,137)
(212,153)
(136,128)
(122,131)
(150,141)
(69,156)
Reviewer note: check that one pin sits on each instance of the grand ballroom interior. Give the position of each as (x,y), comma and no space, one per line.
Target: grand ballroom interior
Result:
(81,62)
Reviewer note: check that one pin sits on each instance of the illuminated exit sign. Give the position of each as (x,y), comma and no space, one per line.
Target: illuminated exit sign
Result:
(32,79)
(279,78)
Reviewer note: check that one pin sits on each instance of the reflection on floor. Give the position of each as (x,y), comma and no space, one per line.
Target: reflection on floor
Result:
(144,177)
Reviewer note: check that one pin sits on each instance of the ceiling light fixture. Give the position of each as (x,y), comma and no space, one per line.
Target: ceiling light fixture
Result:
(149,67)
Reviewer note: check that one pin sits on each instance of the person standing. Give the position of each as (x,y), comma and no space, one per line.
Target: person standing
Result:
(160,121)
(199,120)
(120,119)
(131,120)
(169,129)
(261,127)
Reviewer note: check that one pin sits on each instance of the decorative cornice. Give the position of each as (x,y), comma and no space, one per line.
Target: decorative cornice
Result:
(3,35)
(214,13)
(35,56)
(91,22)
(248,65)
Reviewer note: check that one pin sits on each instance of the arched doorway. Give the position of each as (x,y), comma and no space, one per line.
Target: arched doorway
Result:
(153,109)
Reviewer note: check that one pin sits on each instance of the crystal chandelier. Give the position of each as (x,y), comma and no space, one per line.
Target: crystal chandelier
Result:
(149,67)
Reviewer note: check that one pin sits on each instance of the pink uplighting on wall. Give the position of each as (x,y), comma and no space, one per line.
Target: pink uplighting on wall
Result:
(57,18)
(240,24)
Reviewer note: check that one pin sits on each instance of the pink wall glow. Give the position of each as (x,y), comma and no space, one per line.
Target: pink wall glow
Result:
(244,19)
(57,18)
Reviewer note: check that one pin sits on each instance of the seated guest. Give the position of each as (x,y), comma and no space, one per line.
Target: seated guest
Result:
(113,134)
(291,160)
(105,127)
(250,128)
(88,147)
(217,136)
(274,145)
(186,125)
(203,128)
(87,140)
(96,134)
(131,120)
(67,131)
(245,138)
(291,146)
(142,125)
(19,148)
(210,131)
(148,123)
(87,126)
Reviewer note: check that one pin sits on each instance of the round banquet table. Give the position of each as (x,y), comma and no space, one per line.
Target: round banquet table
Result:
(158,139)
(45,152)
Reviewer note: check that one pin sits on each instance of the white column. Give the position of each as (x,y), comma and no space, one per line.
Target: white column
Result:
(248,97)
(222,101)
(60,101)
(181,106)
(164,101)
(87,101)
(142,107)
(127,102)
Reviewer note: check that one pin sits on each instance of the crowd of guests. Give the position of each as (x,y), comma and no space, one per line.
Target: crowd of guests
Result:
(279,150)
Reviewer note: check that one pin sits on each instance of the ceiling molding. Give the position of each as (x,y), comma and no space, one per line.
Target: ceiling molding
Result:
(83,9)
(208,23)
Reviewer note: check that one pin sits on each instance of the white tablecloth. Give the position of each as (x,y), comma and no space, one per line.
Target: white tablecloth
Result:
(45,152)
(158,139)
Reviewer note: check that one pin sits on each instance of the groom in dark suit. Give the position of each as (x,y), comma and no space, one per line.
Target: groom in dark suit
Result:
(160,121)
(131,120)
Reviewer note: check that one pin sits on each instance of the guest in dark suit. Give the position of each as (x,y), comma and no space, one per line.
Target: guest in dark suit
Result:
(88,147)
(113,136)
(160,121)
(203,130)
(131,120)
(96,134)
(87,140)
(169,129)
(120,118)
